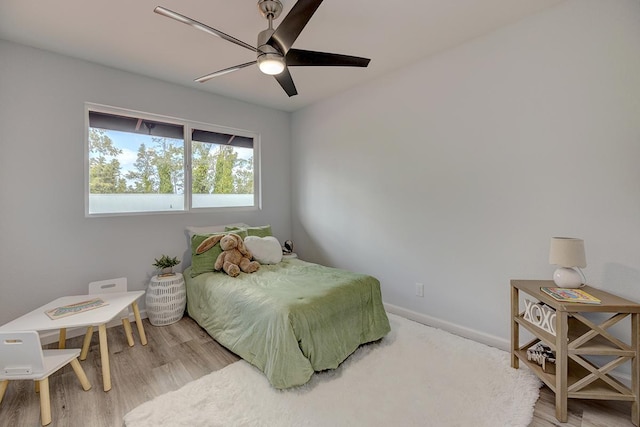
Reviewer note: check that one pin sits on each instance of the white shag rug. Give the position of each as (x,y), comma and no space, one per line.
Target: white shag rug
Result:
(415,376)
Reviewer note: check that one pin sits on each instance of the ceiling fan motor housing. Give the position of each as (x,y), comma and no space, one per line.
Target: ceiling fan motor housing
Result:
(270,59)
(263,38)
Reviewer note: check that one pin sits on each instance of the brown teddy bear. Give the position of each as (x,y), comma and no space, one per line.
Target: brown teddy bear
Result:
(235,257)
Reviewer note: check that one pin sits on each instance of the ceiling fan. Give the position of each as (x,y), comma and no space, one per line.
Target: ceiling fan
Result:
(274,52)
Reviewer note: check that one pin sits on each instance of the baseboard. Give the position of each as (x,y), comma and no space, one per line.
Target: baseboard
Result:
(472,334)
(49,337)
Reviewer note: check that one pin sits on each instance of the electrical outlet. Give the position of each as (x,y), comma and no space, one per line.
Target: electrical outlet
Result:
(419,290)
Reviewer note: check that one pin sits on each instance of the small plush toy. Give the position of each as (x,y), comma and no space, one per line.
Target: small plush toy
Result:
(235,257)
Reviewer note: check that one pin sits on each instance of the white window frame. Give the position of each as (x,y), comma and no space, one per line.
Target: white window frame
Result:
(188,125)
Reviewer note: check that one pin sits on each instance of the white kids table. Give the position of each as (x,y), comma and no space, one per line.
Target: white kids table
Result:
(37,320)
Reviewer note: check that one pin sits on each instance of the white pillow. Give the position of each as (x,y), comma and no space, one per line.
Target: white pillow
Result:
(265,250)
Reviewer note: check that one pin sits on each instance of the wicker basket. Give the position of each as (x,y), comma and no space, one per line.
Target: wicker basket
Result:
(166,299)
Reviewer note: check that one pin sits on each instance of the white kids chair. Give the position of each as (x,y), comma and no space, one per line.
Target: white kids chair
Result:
(103,287)
(22,358)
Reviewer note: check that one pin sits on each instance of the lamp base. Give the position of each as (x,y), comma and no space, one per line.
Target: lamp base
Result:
(567,278)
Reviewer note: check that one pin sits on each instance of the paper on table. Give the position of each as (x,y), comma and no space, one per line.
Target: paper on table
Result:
(79,307)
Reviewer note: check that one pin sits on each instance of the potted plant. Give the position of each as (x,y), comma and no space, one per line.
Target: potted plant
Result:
(166,264)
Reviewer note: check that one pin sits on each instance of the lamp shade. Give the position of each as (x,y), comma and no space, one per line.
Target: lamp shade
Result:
(567,252)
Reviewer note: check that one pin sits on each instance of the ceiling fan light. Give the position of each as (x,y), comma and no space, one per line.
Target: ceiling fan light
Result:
(271,63)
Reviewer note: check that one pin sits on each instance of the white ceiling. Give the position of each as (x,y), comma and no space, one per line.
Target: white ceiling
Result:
(126,34)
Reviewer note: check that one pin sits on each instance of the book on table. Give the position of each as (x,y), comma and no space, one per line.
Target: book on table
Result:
(571,295)
(79,307)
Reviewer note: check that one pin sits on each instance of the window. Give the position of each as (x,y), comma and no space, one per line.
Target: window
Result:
(222,169)
(144,163)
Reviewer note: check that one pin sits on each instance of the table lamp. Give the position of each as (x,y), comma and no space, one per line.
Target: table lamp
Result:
(568,254)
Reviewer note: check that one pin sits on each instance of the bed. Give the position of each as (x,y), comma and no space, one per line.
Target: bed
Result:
(289,319)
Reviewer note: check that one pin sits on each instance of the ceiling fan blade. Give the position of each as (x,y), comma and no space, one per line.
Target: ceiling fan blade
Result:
(225,71)
(292,25)
(202,27)
(298,58)
(286,81)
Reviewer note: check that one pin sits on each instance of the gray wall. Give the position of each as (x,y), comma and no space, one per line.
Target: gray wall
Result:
(456,171)
(47,247)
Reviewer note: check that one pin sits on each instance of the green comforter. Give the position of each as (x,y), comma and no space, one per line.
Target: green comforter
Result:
(289,319)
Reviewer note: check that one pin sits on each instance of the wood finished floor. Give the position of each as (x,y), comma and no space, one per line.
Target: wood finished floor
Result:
(182,352)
